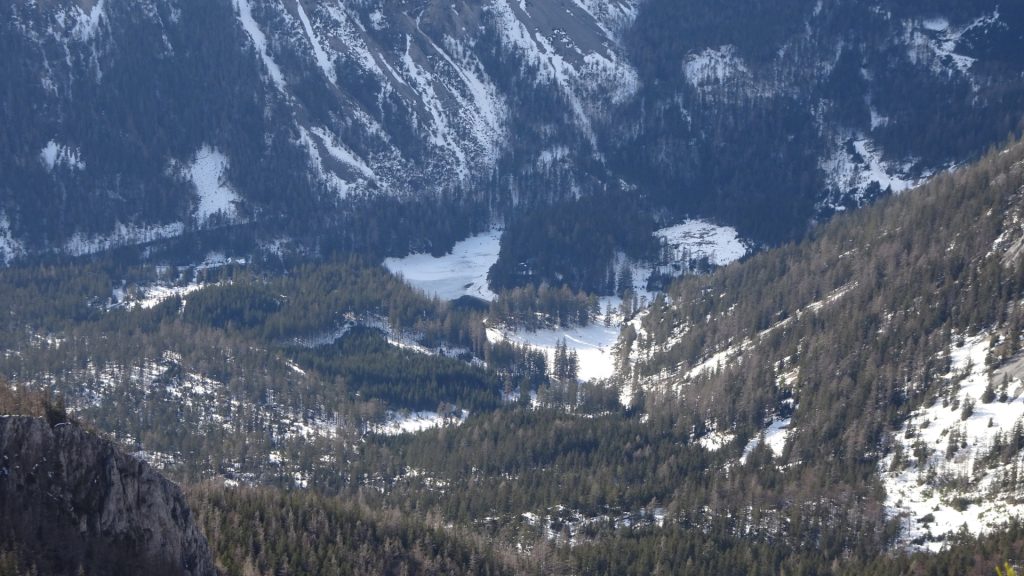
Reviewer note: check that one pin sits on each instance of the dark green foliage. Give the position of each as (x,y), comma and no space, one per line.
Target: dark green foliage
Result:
(370,366)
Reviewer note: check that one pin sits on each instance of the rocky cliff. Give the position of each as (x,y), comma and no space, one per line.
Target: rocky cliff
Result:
(70,500)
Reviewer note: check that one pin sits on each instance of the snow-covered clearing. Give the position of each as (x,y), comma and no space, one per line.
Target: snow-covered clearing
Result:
(697,238)
(322,59)
(943,479)
(594,345)
(462,272)
(208,173)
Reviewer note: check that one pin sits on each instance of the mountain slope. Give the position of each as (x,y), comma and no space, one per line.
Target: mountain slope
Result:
(837,354)
(409,125)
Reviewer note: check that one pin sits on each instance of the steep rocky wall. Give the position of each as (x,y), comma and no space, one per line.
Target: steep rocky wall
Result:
(69,499)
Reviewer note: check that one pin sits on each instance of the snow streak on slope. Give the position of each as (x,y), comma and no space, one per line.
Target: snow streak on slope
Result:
(322,59)
(343,154)
(462,272)
(442,134)
(942,475)
(259,40)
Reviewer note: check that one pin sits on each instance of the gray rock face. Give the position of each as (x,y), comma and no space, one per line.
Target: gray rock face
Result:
(71,500)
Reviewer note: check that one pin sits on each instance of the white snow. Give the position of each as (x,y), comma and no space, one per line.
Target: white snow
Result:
(960,489)
(411,422)
(150,296)
(259,40)
(343,154)
(936,24)
(714,441)
(208,173)
(697,238)
(594,345)
(878,170)
(774,437)
(322,59)
(54,155)
(462,272)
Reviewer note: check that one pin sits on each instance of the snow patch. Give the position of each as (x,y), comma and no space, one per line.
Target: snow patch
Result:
(943,480)
(322,59)
(54,155)
(715,441)
(208,173)
(343,154)
(462,272)
(697,238)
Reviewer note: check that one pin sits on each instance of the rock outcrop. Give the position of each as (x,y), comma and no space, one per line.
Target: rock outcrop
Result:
(72,501)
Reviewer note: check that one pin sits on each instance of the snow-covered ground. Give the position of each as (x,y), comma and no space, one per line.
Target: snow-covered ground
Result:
(697,238)
(939,488)
(774,437)
(208,173)
(403,423)
(463,272)
(594,345)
